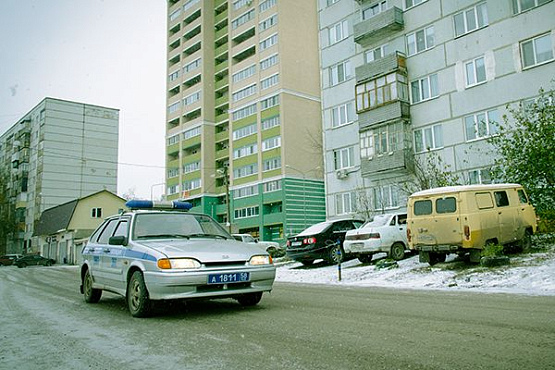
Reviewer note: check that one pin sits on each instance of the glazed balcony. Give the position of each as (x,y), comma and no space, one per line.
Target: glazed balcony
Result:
(379,67)
(381,25)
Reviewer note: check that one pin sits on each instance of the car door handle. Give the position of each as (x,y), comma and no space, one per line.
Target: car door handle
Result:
(106,250)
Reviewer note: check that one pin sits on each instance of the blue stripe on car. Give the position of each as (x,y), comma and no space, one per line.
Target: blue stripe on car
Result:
(138,255)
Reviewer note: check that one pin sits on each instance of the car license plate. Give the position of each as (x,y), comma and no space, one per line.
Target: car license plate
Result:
(357,245)
(235,277)
(296,244)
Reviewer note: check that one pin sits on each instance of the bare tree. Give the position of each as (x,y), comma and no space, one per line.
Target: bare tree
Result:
(429,171)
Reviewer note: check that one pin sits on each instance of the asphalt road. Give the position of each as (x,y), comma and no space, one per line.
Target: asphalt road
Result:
(45,324)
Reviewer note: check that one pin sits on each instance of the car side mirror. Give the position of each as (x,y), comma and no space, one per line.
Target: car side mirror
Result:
(118,240)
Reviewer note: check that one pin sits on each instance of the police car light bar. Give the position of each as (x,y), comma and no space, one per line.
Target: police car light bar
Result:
(149,204)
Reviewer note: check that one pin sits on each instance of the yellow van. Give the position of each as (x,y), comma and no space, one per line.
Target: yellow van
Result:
(463,219)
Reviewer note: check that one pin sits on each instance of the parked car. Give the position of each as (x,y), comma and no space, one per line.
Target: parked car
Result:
(273,248)
(322,240)
(156,251)
(33,260)
(464,219)
(9,259)
(384,233)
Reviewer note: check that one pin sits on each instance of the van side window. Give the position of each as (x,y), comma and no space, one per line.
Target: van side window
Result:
(522,196)
(422,207)
(446,205)
(501,198)
(484,200)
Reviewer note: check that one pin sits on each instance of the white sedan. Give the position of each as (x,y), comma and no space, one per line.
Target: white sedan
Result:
(273,248)
(385,233)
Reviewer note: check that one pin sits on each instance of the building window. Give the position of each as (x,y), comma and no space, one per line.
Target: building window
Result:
(269,102)
(248,170)
(242,19)
(342,114)
(382,140)
(245,192)
(340,72)
(173,139)
(244,93)
(420,40)
(269,82)
(174,107)
(191,167)
(271,143)
(192,66)
(267,23)
(244,131)
(191,133)
(194,97)
(537,50)
(481,176)
(338,32)
(428,138)
(272,186)
(240,3)
(247,212)
(377,53)
(191,184)
(268,123)
(175,14)
(380,91)
(268,42)
(244,112)
(344,158)
(481,125)
(244,73)
(411,3)
(385,197)
(475,71)
(374,10)
(524,5)
(245,151)
(265,5)
(173,189)
(271,164)
(189,4)
(471,19)
(174,76)
(173,172)
(345,203)
(96,212)
(424,89)
(268,62)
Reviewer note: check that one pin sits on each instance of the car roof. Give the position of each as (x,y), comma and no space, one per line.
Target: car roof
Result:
(461,188)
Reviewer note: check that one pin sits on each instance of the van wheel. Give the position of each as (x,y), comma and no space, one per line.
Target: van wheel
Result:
(526,242)
(437,258)
(397,251)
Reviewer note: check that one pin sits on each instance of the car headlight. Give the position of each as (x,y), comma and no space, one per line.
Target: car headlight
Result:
(260,260)
(178,263)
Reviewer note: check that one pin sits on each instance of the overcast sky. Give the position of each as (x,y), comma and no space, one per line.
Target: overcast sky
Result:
(102,52)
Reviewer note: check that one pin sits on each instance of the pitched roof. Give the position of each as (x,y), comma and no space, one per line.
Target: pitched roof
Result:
(55,218)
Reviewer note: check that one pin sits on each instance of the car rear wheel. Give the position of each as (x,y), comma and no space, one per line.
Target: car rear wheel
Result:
(335,254)
(250,299)
(92,295)
(48,263)
(137,296)
(397,251)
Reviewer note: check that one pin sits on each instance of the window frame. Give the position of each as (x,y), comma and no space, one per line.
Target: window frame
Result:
(475,72)
(436,143)
(535,55)
(426,38)
(464,13)
(420,82)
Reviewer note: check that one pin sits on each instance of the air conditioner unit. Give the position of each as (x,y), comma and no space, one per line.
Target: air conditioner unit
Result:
(341,174)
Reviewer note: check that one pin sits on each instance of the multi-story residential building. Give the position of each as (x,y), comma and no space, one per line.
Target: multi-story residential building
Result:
(59,151)
(244,137)
(406,79)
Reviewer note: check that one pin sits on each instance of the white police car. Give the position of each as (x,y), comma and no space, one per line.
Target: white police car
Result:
(157,251)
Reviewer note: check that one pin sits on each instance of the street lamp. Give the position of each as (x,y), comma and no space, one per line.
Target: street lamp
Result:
(304,186)
(224,171)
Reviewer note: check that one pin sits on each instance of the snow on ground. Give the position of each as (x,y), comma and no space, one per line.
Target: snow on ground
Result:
(532,274)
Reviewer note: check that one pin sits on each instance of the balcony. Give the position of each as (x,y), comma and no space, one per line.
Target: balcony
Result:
(380,67)
(222,136)
(222,153)
(394,161)
(395,111)
(371,30)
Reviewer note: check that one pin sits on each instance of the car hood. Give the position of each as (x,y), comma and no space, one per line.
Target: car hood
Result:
(205,250)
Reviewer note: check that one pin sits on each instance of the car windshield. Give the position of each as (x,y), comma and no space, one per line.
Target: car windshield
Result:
(176,225)
(379,220)
(315,229)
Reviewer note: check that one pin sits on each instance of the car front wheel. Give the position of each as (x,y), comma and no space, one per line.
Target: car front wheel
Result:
(23,264)
(397,251)
(92,295)
(137,296)
(250,299)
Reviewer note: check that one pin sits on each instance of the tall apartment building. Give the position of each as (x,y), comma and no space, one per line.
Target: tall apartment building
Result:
(243,123)
(58,152)
(405,78)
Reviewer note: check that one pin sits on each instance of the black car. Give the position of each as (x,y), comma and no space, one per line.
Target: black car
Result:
(323,240)
(8,259)
(33,260)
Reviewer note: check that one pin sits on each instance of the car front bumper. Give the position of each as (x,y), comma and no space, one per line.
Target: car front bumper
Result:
(194,284)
